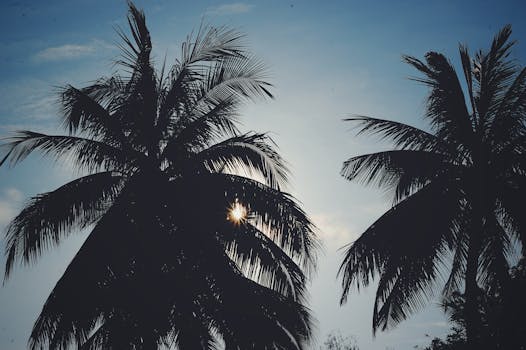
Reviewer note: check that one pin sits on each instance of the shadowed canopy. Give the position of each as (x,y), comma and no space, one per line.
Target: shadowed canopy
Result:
(457,189)
(163,161)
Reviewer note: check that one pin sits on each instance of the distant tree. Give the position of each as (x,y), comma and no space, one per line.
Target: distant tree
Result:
(335,341)
(459,188)
(184,250)
(501,309)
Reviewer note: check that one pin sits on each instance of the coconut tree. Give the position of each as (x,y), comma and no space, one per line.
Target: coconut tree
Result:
(192,242)
(457,188)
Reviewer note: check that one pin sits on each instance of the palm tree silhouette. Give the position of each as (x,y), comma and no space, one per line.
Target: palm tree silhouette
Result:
(166,263)
(457,189)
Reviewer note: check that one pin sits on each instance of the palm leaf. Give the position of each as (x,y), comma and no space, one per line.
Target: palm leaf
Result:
(385,169)
(253,308)
(402,135)
(250,153)
(508,122)
(63,320)
(83,112)
(135,51)
(49,217)
(275,213)
(260,259)
(458,265)
(420,230)
(87,154)
(242,77)
(446,108)
(211,44)
(493,262)
(195,131)
(494,72)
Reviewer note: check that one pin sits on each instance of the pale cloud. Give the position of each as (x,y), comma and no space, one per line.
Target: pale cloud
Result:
(28,101)
(334,232)
(10,201)
(229,9)
(64,52)
(70,51)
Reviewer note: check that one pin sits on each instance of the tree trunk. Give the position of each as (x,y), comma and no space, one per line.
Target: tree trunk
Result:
(471,293)
(472,315)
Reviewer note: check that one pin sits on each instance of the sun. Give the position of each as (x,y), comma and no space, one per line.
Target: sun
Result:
(237,213)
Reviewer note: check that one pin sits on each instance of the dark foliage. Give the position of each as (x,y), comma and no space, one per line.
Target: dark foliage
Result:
(501,309)
(457,188)
(162,266)
(336,341)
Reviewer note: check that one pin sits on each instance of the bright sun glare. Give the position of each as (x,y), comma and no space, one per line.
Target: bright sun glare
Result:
(237,212)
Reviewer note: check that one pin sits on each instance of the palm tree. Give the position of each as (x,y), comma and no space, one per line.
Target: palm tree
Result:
(192,243)
(457,189)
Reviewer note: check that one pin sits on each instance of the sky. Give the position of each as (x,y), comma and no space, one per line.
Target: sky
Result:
(326,60)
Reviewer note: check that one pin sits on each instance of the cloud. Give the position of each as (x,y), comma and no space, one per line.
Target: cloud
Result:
(27,101)
(10,201)
(334,232)
(64,52)
(70,51)
(229,9)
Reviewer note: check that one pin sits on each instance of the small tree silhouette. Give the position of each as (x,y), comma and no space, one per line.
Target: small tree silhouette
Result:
(335,341)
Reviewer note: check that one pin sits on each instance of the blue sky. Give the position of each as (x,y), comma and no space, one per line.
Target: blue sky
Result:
(326,60)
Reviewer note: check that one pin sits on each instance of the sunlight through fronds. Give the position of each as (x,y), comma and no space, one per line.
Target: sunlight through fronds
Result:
(237,213)
(165,162)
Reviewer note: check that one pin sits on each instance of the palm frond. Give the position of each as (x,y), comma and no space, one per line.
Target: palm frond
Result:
(193,334)
(467,67)
(274,212)
(211,44)
(176,97)
(446,107)
(406,284)
(508,123)
(107,91)
(493,261)
(86,154)
(98,339)
(250,153)
(138,110)
(242,77)
(99,275)
(511,199)
(81,111)
(455,279)
(136,50)
(402,135)
(197,130)
(49,217)
(251,308)
(494,72)
(115,332)
(406,234)
(190,78)
(260,259)
(385,169)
